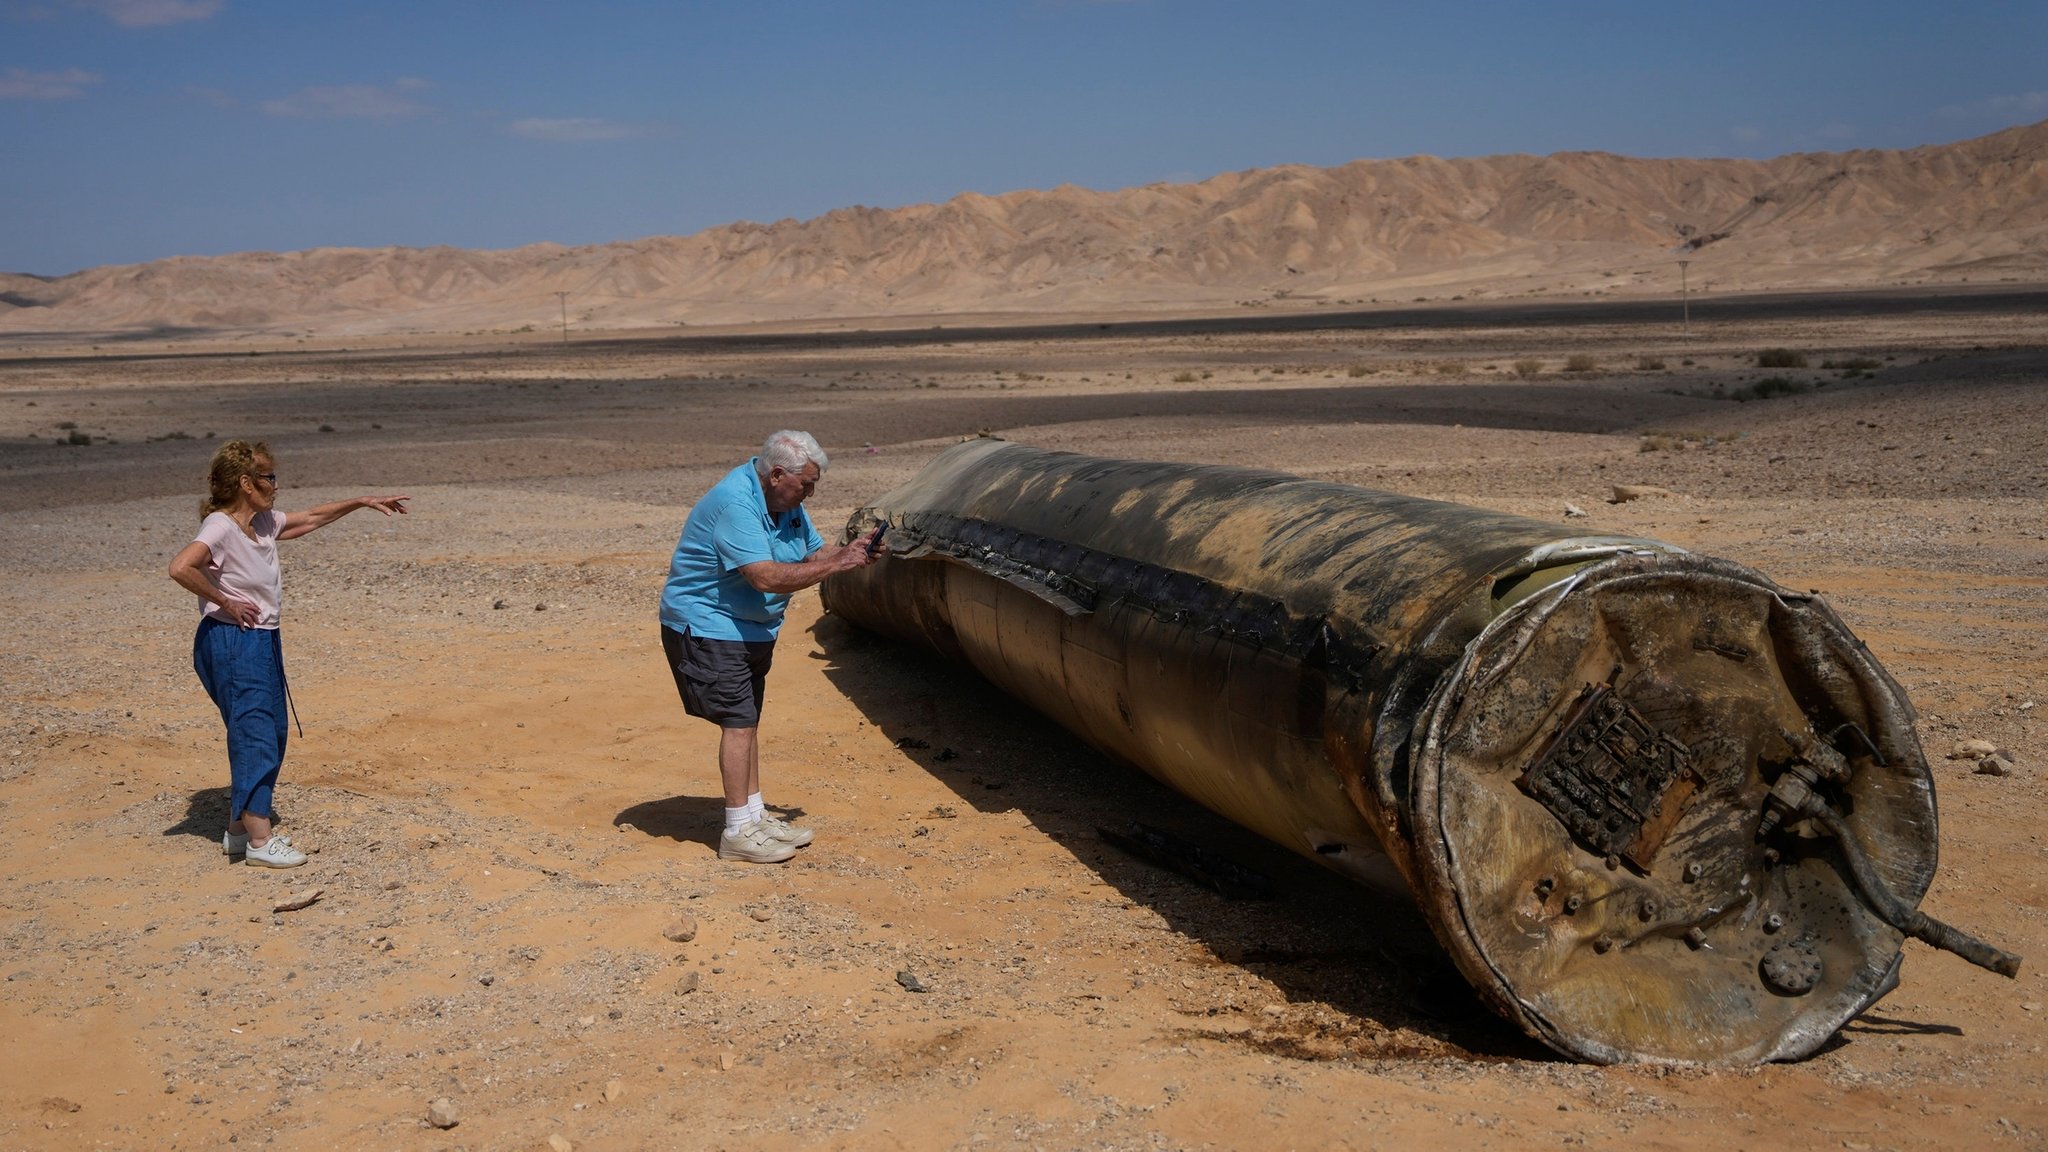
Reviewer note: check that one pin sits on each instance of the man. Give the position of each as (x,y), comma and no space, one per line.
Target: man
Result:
(746,546)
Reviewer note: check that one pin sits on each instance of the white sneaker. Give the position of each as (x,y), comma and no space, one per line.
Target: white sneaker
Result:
(753,843)
(786,832)
(276,853)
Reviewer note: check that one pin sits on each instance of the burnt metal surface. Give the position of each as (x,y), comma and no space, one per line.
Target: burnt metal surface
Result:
(1641,796)
(1612,779)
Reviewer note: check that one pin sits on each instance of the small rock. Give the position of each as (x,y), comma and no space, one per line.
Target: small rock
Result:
(910,982)
(1995,765)
(762,914)
(60,1104)
(682,930)
(560,1143)
(298,900)
(626,827)
(441,1113)
(499,604)
(540,607)
(725,1061)
(487,979)
(2026,705)
(689,983)
(585,1021)
(1972,750)
(1623,493)
(613,1090)
(1573,512)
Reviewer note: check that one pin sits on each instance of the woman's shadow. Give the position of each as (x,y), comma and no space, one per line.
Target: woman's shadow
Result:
(206,815)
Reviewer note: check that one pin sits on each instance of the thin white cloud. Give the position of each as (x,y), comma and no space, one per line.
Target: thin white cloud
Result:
(2025,105)
(573,129)
(351,101)
(154,13)
(217,97)
(22,84)
(1746,133)
(1836,131)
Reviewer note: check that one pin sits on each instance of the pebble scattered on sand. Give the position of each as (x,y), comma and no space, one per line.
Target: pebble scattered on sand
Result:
(442,1113)
(1995,764)
(682,930)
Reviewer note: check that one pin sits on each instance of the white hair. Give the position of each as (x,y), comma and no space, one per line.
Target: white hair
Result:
(790,451)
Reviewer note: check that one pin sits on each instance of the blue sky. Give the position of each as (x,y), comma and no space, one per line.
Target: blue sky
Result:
(137,129)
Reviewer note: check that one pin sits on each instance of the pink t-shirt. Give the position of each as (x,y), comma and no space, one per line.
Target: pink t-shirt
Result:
(243,567)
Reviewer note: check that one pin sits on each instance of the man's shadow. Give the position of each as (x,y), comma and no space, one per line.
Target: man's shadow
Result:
(688,819)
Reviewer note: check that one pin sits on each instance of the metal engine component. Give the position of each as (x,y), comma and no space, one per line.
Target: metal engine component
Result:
(1646,799)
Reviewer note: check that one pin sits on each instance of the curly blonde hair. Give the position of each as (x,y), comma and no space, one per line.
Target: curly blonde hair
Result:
(234,460)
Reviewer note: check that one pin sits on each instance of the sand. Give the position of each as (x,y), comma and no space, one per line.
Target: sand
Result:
(508,807)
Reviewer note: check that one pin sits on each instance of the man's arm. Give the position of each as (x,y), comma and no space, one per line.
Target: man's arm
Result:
(773,577)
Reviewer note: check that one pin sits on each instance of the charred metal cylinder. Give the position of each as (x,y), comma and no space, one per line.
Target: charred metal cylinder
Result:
(1634,791)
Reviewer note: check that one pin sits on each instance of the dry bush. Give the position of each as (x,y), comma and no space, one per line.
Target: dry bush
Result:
(1580,362)
(1649,363)
(1528,368)
(1780,358)
(1766,388)
(1451,368)
(1184,378)
(1357,370)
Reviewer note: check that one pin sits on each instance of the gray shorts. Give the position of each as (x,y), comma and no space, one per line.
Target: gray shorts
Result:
(723,681)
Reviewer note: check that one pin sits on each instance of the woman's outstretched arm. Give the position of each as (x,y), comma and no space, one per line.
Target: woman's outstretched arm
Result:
(297,524)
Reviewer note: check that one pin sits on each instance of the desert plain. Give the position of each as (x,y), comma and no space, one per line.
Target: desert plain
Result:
(510,816)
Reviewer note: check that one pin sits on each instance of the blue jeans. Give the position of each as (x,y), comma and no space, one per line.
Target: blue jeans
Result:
(243,671)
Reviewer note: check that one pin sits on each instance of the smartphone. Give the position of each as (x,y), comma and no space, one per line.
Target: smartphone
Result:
(875,538)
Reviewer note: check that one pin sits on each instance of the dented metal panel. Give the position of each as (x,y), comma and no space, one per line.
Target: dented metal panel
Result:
(1563,748)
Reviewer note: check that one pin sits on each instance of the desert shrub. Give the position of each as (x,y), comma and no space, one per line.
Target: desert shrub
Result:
(66,425)
(77,437)
(1357,370)
(1580,362)
(1780,358)
(1528,368)
(1451,368)
(1768,387)
(1649,363)
(1184,378)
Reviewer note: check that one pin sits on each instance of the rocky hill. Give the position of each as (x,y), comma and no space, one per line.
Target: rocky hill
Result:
(1296,237)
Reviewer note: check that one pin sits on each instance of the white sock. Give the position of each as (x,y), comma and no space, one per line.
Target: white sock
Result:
(755,810)
(738,818)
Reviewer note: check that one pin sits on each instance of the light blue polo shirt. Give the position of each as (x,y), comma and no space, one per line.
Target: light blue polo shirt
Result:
(730,527)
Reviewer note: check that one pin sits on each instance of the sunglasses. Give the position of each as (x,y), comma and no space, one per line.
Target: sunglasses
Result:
(269,478)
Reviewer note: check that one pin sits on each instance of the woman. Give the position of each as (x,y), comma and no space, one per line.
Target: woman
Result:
(232,567)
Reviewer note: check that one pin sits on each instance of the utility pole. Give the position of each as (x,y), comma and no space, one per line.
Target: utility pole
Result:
(563,297)
(1684,299)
